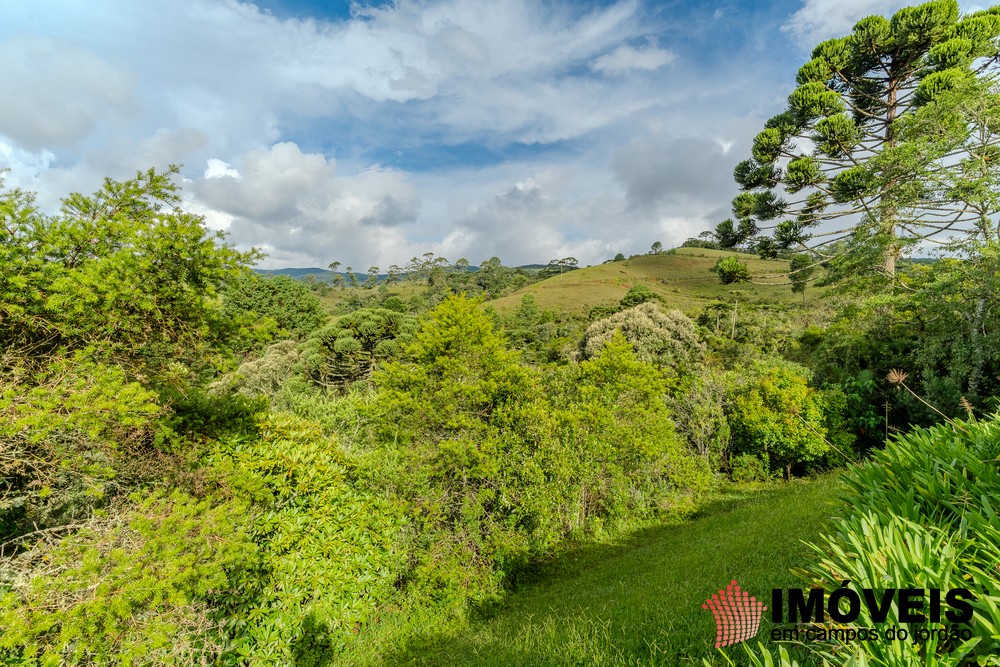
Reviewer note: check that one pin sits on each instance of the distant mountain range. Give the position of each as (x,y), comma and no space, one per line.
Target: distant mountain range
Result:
(326,275)
(299,273)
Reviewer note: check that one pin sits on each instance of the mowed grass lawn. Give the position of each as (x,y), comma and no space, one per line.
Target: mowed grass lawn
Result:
(638,602)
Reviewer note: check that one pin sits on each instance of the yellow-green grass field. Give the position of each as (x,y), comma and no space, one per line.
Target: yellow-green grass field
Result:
(682,278)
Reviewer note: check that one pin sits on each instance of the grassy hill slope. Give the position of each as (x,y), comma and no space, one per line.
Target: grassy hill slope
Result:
(683,278)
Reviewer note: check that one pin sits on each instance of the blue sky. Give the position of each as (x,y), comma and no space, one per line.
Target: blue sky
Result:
(370,133)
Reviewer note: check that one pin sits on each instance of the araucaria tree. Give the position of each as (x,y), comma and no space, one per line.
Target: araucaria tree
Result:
(840,151)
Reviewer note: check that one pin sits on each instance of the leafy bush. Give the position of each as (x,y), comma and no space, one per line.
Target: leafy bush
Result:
(748,468)
(132,586)
(637,294)
(395,303)
(263,376)
(536,334)
(69,430)
(197,417)
(630,461)
(349,349)
(775,415)
(257,301)
(452,419)
(668,339)
(921,515)
(698,409)
(731,270)
(497,464)
(323,557)
(124,271)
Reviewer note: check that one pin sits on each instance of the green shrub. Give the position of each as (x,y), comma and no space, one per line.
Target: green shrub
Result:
(396,304)
(263,376)
(698,408)
(71,431)
(324,553)
(731,270)
(124,272)
(197,417)
(668,339)
(748,468)
(637,294)
(132,586)
(775,415)
(452,419)
(348,350)
(497,464)
(631,462)
(256,301)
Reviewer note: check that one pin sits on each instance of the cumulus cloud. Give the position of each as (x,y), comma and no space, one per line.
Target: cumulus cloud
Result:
(25,165)
(56,93)
(169,146)
(412,49)
(295,206)
(216,168)
(626,58)
(680,185)
(559,211)
(284,125)
(231,69)
(530,222)
(676,172)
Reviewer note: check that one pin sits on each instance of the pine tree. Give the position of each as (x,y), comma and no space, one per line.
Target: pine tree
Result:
(839,149)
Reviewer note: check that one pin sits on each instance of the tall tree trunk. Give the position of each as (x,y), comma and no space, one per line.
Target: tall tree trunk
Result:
(890,257)
(888,215)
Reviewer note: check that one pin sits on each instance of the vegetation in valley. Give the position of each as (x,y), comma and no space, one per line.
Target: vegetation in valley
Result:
(449,463)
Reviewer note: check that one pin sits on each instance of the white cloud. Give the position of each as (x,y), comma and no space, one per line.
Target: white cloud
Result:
(294,205)
(231,70)
(258,107)
(413,51)
(25,165)
(168,146)
(626,58)
(216,168)
(683,174)
(819,20)
(56,93)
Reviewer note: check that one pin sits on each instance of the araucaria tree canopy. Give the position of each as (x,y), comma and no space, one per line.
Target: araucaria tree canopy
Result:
(892,129)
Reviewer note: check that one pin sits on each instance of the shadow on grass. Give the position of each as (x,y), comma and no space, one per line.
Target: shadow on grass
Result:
(637,601)
(578,557)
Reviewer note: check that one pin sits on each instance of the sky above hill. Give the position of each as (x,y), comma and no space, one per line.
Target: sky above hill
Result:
(373,132)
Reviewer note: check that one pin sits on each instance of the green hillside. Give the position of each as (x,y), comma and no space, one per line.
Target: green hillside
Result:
(683,278)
